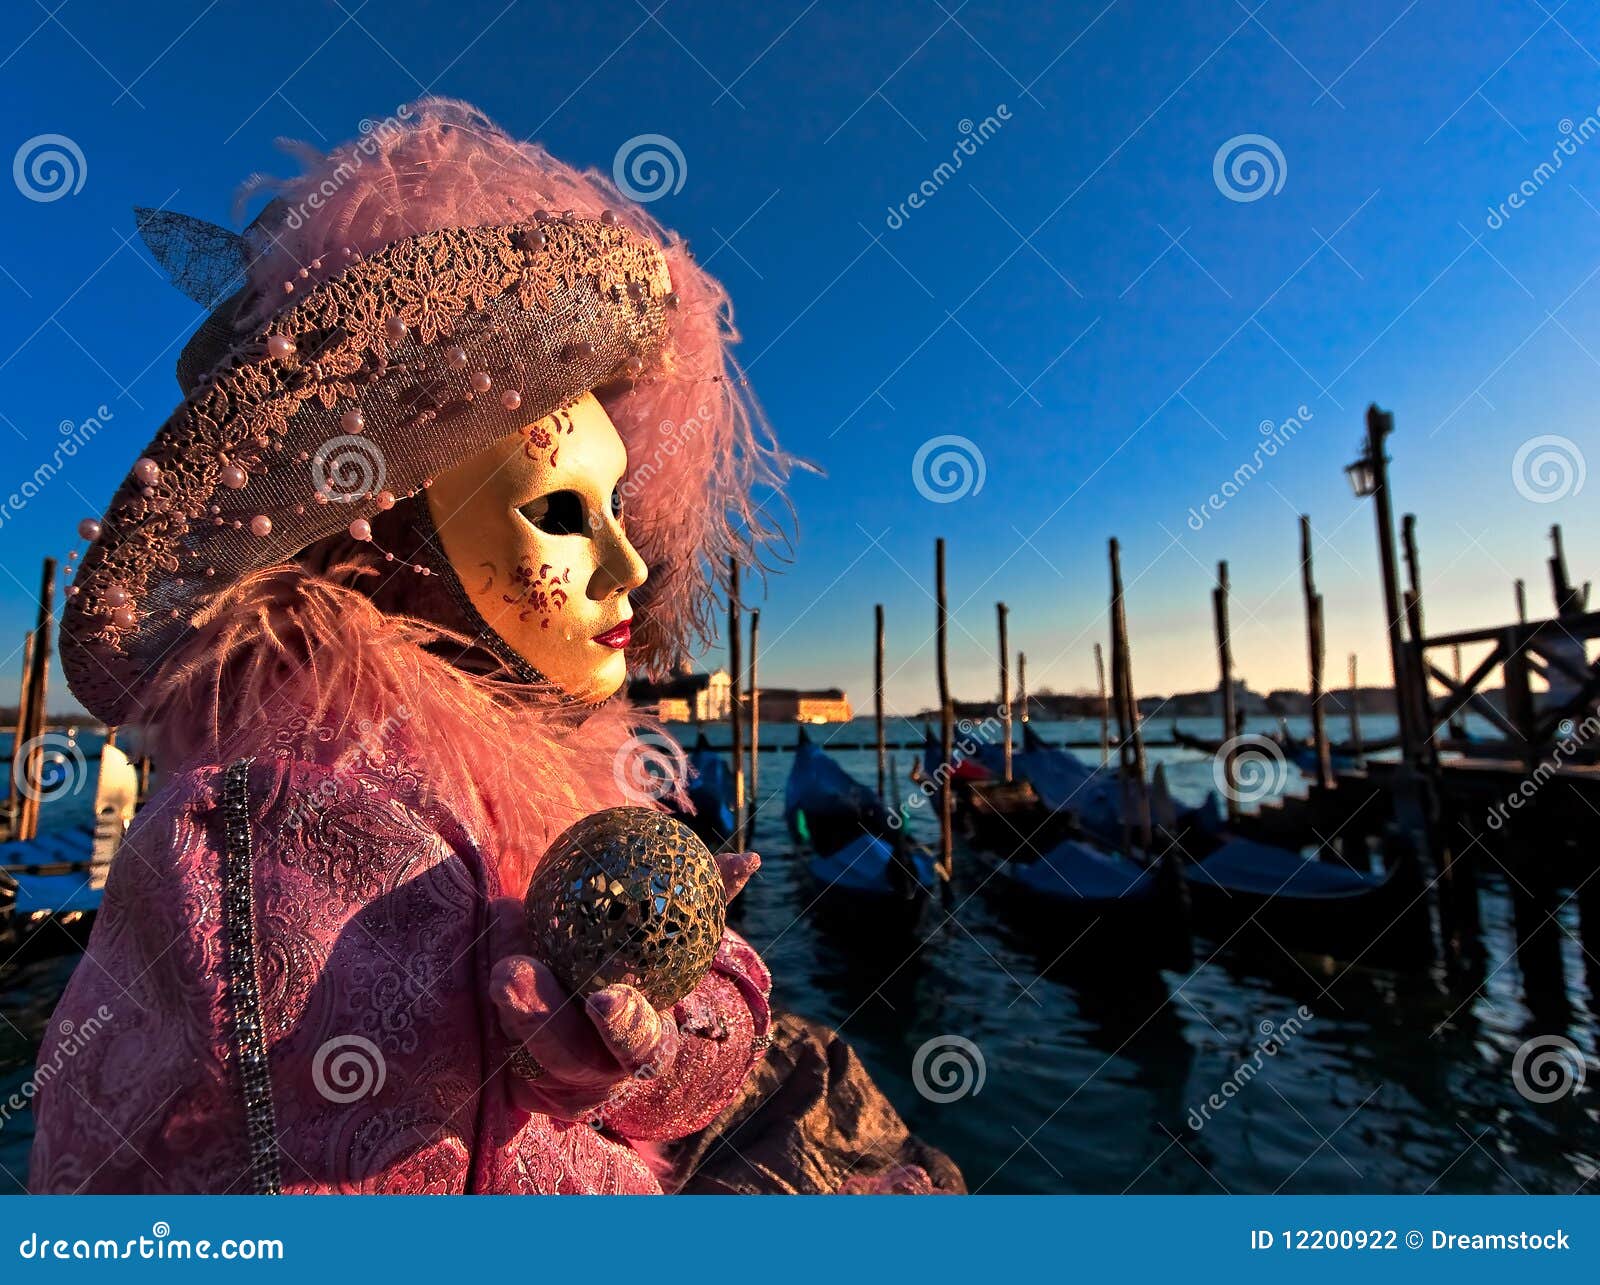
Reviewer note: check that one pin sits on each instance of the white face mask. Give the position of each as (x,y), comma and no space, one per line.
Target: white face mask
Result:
(533,529)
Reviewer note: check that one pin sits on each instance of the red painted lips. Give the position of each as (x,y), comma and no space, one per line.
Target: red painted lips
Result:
(618,636)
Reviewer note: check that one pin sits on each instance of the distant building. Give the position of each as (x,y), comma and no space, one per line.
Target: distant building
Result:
(791,705)
(706,698)
(685,698)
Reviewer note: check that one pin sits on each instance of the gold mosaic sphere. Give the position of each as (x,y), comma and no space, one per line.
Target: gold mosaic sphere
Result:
(628,895)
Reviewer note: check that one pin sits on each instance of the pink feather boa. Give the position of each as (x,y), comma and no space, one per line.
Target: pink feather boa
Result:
(291,664)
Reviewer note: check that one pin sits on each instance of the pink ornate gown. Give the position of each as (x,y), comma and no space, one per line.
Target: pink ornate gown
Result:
(296,941)
(307,1011)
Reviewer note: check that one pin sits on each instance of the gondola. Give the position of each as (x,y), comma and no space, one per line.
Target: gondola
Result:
(52,887)
(1302,903)
(982,764)
(1052,794)
(1135,909)
(1065,783)
(859,854)
(824,806)
(710,791)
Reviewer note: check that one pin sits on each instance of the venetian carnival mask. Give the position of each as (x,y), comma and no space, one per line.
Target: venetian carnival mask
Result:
(533,527)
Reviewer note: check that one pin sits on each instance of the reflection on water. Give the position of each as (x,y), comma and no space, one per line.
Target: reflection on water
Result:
(1097,1064)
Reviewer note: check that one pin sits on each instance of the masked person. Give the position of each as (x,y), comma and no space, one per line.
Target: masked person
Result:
(459,455)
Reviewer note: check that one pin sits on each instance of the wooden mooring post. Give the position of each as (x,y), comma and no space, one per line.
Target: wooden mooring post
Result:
(18,736)
(1225,689)
(1022,686)
(947,730)
(736,703)
(1136,797)
(1355,713)
(1560,583)
(1427,751)
(1316,653)
(28,754)
(1105,707)
(755,727)
(1522,602)
(877,698)
(1005,689)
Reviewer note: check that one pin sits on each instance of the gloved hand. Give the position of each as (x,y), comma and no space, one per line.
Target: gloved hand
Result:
(572,1055)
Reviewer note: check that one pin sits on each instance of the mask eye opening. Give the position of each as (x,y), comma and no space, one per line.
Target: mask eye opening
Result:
(558,513)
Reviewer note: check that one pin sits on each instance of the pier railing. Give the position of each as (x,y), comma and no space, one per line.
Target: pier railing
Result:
(1515,650)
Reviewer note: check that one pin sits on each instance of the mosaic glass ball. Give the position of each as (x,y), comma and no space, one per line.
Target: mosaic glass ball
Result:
(627,895)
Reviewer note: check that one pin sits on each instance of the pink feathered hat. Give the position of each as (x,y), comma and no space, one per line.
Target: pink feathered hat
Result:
(410,298)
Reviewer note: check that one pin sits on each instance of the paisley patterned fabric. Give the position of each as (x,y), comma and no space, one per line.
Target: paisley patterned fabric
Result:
(388,1073)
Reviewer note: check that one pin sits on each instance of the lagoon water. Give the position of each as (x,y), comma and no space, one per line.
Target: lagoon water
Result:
(1095,1073)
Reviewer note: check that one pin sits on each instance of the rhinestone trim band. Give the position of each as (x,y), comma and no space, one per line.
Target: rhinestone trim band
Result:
(243,984)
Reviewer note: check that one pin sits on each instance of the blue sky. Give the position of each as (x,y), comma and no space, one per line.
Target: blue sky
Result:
(1081,300)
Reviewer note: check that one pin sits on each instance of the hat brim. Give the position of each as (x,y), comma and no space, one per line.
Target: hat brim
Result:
(405,336)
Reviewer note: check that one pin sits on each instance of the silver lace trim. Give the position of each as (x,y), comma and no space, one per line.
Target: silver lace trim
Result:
(243,984)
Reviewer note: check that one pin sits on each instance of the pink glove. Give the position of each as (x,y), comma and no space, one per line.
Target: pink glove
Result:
(572,1056)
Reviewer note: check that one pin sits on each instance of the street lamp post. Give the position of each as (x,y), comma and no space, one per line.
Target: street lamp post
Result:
(1369,476)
